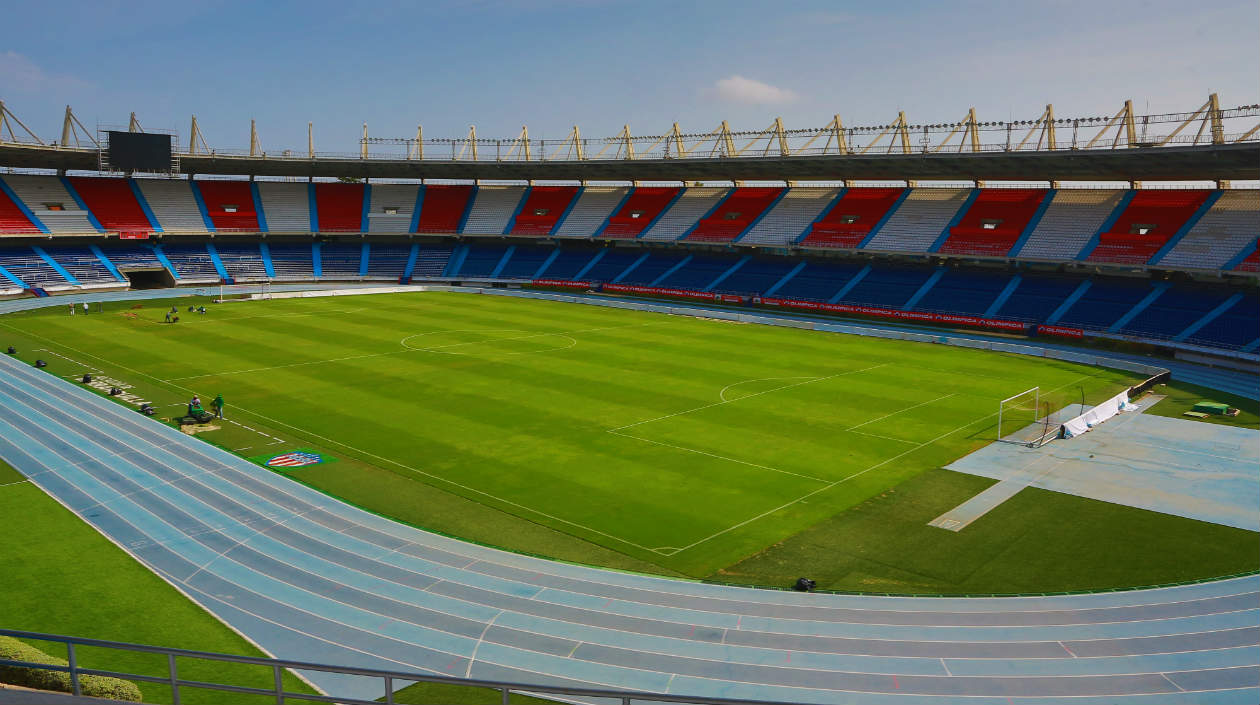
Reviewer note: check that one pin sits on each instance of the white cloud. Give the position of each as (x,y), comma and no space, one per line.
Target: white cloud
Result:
(19,73)
(746,90)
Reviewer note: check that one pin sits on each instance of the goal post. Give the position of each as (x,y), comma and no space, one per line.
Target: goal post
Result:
(1018,412)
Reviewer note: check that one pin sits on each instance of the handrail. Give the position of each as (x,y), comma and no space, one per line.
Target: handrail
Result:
(388,677)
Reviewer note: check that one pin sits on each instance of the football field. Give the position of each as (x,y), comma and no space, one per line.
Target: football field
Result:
(625,438)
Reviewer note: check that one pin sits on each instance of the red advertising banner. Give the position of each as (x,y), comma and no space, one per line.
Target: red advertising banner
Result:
(946,318)
(563,283)
(1061,331)
(133,235)
(662,291)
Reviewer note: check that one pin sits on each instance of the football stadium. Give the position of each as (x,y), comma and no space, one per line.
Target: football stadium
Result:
(949,407)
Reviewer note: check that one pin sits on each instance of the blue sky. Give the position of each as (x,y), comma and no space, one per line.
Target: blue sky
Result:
(552,63)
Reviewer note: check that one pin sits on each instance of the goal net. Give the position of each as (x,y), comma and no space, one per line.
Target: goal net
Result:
(1033,417)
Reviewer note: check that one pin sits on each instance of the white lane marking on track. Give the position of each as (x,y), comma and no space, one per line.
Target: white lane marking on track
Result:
(473,657)
(19,482)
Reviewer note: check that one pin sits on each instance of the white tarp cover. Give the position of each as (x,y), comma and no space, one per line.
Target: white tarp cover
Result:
(1096,415)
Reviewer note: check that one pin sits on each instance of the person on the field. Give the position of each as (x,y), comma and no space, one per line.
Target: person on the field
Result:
(168,316)
(85,308)
(218,406)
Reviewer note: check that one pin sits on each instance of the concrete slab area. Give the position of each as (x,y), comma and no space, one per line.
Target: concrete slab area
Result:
(1187,468)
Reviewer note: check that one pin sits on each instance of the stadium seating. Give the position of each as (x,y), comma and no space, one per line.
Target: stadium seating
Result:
(756,276)
(650,269)
(387,260)
(567,264)
(286,206)
(1174,311)
(699,272)
(1150,220)
(525,262)
(852,218)
(229,204)
(961,291)
(1250,263)
(291,261)
(611,265)
(1232,222)
(430,261)
(593,207)
(12,219)
(690,207)
(492,209)
(32,270)
(735,214)
(243,261)
(339,207)
(784,223)
(442,208)
(391,207)
(83,265)
(1069,222)
(1036,297)
(888,286)
(641,208)
(50,203)
(543,209)
(341,261)
(127,258)
(112,202)
(994,222)
(481,260)
(919,220)
(819,281)
(173,205)
(1104,303)
(192,262)
(1234,328)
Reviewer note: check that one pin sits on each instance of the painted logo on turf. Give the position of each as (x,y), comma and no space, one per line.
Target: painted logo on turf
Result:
(295,459)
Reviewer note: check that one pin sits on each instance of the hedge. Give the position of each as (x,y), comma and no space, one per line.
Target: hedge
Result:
(96,686)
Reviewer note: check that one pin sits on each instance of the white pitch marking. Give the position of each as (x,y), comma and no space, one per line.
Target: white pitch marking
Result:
(10,484)
(908,408)
(722,394)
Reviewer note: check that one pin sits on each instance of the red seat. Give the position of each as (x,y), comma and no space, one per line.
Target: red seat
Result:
(12,219)
(443,207)
(220,196)
(639,209)
(339,207)
(112,202)
(542,209)
(1007,211)
(734,214)
(851,219)
(1162,213)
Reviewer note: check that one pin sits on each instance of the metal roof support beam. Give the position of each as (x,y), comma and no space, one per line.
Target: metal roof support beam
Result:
(416,151)
(133,125)
(7,117)
(363,150)
(254,149)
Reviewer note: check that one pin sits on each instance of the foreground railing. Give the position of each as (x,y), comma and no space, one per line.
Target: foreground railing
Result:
(388,679)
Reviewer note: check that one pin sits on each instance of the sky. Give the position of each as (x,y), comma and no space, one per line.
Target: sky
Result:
(550,64)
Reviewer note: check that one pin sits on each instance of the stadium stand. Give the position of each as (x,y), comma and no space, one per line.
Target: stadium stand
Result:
(542,210)
(699,272)
(593,207)
(919,220)
(685,213)
(960,291)
(481,260)
(229,205)
(243,261)
(1036,297)
(1151,219)
(994,222)
(1174,311)
(647,270)
(741,208)
(443,208)
(391,207)
(339,207)
(1104,303)
(291,261)
(888,286)
(567,264)
(31,270)
(1250,263)
(643,207)
(492,209)
(784,223)
(852,218)
(173,205)
(1232,222)
(1234,328)
(525,262)
(611,265)
(112,202)
(430,261)
(819,281)
(341,261)
(756,276)
(286,206)
(83,264)
(387,260)
(50,203)
(192,262)
(127,258)
(1071,219)
(13,219)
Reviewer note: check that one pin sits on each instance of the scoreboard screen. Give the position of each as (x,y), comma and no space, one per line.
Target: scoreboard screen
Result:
(139,151)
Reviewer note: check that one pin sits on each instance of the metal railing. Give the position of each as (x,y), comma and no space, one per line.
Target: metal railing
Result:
(279,666)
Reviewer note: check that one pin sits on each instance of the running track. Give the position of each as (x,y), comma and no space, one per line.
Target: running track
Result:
(310,578)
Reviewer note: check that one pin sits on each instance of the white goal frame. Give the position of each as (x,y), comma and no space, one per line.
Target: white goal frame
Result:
(1007,403)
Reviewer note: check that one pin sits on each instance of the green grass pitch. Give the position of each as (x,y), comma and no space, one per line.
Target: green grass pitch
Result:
(633,440)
